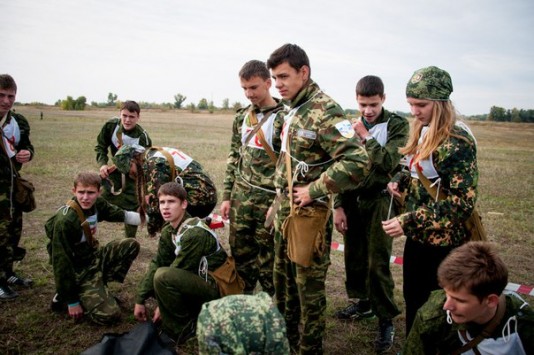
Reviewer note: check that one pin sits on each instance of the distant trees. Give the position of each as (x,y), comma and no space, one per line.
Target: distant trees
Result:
(226,104)
(111,99)
(499,114)
(179,100)
(203,104)
(71,104)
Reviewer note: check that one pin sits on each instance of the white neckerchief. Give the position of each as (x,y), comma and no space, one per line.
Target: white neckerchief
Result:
(267,128)
(126,139)
(380,132)
(11,136)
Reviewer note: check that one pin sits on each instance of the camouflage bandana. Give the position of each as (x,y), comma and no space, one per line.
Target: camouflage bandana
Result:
(123,158)
(431,83)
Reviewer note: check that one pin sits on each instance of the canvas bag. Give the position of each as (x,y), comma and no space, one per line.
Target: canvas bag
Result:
(24,197)
(228,280)
(305,227)
(305,231)
(23,189)
(473,225)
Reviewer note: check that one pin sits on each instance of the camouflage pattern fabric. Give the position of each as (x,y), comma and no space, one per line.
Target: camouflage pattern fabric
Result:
(440,223)
(432,334)
(430,83)
(251,243)
(127,199)
(72,259)
(111,264)
(10,215)
(367,247)
(320,136)
(434,228)
(201,191)
(248,185)
(182,288)
(164,257)
(241,324)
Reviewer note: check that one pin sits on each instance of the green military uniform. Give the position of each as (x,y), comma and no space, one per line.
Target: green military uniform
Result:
(201,191)
(15,136)
(185,285)
(321,145)
(249,185)
(432,333)
(241,324)
(81,268)
(367,246)
(164,257)
(432,227)
(111,137)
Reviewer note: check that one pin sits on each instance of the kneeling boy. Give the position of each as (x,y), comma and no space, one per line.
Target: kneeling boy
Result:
(82,269)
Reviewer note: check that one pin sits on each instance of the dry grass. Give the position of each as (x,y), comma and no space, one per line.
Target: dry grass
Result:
(64,142)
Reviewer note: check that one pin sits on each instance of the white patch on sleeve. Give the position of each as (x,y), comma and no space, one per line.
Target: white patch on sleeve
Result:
(345,129)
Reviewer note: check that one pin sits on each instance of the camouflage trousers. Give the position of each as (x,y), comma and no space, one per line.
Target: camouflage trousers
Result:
(367,254)
(10,233)
(180,295)
(112,264)
(126,200)
(300,291)
(251,243)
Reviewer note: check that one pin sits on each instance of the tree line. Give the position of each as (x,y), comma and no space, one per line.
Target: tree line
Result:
(496,114)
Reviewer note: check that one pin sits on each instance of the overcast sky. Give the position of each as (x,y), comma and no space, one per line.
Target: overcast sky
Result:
(152,50)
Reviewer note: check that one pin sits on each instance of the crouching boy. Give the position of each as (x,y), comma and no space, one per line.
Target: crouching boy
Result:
(178,275)
(82,269)
(471,315)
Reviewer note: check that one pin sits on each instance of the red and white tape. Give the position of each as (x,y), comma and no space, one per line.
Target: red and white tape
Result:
(216,221)
(526,290)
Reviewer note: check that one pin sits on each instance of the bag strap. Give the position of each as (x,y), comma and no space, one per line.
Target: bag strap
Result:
(169,158)
(261,135)
(432,190)
(488,329)
(289,176)
(119,134)
(83,221)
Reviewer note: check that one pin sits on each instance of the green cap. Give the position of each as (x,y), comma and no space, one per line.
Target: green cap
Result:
(431,83)
(123,158)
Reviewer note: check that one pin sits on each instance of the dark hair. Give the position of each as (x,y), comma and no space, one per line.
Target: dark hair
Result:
(88,178)
(475,266)
(370,85)
(254,68)
(131,106)
(295,56)
(173,189)
(7,82)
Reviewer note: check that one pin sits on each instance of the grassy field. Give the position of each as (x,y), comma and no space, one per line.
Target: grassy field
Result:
(64,143)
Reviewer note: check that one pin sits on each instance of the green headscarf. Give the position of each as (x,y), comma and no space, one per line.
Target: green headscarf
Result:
(430,83)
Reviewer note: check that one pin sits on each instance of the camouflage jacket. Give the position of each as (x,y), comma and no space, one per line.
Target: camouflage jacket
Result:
(16,130)
(441,223)
(107,139)
(70,254)
(195,244)
(432,334)
(164,257)
(251,163)
(384,160)
(199,186)
(321,139)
